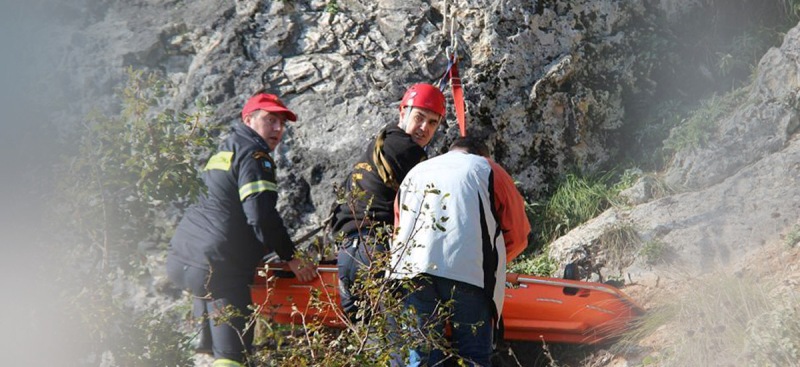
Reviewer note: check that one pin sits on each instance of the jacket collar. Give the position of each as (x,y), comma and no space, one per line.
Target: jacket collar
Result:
(246,132)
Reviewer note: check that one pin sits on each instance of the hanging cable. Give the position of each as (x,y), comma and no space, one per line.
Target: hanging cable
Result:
(451,74)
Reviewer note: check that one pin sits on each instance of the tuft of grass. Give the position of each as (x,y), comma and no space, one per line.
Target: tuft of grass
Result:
(654,251)
(659,187)
(793,237)
(577,198)
(619,242)
(696,130)
(713,320)
(644,326)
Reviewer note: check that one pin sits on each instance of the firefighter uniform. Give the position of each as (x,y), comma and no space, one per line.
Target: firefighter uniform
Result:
(221,239)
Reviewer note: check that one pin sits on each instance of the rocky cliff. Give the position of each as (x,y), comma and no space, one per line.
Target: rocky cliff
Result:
(738,192)
(544,82)
(551,85)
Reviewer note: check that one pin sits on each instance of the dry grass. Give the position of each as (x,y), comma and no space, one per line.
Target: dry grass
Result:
(720,320)
(620,243)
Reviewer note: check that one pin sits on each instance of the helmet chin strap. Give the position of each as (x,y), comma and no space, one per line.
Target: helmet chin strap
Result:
(407,118)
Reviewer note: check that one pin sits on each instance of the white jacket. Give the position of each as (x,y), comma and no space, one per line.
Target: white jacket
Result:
(446,225)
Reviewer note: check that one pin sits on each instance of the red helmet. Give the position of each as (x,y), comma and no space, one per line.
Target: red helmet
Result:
(424,96)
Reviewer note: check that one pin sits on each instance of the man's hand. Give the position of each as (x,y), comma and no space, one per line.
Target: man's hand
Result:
(304,270)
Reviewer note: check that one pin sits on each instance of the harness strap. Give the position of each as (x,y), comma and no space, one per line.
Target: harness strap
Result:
(451,75)
(458,99)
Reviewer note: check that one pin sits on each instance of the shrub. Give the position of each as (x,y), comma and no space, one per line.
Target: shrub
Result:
(120,186)
(383,336)
(773,338)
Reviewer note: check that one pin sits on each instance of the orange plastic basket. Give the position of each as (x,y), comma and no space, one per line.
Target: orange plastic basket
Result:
(535,308)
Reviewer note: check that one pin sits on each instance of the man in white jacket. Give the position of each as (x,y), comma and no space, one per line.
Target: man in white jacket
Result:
(459,219)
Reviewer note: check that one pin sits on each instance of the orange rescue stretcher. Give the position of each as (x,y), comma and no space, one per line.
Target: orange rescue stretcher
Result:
(535,309)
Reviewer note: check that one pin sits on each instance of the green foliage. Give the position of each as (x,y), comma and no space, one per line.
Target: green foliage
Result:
(385,329)
(773,338)
(792,8)
(695,131)
(654,251)
(161,148)
(715,46)
(332,7)
(384,336)
(576,199)
(128,169)
(626,180)
(793,237)
(119,187)
(653,184)
(541,264)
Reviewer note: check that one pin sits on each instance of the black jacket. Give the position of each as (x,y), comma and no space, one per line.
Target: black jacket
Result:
(235,223)
(378,173)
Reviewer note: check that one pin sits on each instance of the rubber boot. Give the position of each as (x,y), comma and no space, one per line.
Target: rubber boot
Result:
(226,363)
(202,340)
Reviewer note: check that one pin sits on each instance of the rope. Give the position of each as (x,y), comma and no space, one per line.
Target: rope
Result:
(451,73)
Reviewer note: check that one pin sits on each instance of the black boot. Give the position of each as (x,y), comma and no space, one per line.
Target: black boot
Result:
(202,340)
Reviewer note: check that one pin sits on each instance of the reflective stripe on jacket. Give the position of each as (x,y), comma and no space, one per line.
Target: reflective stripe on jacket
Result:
(235,223)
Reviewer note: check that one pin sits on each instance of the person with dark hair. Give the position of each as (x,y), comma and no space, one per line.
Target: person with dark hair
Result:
(470,145)
(459,220)
(371,186)
(221,240)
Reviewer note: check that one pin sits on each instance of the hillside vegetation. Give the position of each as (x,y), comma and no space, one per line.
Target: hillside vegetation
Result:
(655,143)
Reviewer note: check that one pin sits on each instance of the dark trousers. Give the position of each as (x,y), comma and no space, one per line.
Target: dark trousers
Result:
(221,304)
(356,255)
(470,318)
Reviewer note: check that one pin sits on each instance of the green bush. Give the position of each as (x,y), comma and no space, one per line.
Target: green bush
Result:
(119,188)
(385,335)
(773,338)
(127,171)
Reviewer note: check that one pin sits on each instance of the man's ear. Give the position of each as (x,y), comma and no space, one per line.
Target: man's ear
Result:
(249,117)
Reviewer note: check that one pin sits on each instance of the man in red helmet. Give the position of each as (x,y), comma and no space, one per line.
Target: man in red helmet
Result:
(221,239)
(371,187)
